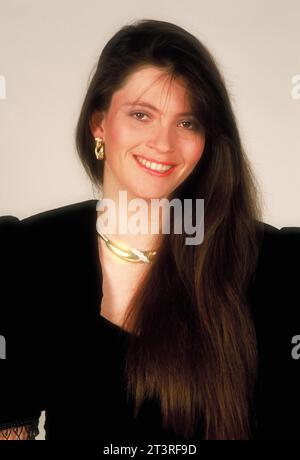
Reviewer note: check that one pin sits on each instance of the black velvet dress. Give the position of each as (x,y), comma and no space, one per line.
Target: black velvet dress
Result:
(64,358)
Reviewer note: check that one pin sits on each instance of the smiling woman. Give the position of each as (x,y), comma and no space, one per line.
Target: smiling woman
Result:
(176,346)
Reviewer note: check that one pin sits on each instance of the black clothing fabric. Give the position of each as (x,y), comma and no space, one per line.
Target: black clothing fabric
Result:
(63,357)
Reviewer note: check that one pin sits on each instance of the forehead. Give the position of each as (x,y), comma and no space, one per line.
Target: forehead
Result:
(155,86)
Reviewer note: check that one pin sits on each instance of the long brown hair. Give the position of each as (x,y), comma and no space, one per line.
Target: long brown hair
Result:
(193,344)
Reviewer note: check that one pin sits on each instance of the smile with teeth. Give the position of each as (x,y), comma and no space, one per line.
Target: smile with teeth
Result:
(154,166)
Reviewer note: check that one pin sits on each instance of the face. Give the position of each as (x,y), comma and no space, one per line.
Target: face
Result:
(147,126)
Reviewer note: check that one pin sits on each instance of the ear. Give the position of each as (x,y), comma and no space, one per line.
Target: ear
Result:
(97,124)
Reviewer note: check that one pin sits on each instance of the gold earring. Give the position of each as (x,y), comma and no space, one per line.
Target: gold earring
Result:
(99,148)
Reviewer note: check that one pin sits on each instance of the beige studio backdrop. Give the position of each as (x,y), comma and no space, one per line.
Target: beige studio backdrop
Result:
(48,51)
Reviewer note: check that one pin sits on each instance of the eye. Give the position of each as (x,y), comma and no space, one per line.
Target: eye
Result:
(139,113)
(191,124)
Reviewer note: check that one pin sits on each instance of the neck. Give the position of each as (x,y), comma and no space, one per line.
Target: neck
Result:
(122,219)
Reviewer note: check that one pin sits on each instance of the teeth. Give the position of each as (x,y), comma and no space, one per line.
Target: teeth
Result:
(154,166)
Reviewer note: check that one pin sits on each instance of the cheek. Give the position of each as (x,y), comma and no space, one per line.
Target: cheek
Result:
(122,135)
(194,154)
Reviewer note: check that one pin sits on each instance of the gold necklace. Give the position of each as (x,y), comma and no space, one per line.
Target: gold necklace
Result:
(131,255)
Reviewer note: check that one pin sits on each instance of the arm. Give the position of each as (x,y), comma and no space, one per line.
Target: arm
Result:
(16,422)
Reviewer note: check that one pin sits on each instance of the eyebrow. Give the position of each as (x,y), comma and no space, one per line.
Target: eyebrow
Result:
(155,109)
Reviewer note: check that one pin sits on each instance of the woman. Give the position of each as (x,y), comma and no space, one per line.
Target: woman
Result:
(169,341)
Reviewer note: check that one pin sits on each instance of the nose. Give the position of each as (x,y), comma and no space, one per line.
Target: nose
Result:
(160,140)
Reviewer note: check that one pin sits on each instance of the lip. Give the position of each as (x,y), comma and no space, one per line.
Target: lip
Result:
(151,171)
(167,163)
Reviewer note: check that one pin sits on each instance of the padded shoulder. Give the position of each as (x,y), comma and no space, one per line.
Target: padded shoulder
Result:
(9,227)
(58,220)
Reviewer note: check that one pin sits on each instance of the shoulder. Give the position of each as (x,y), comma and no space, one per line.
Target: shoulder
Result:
(53,220)
(9,232)
(277,269)
(286,235)
(279,249)
(59,221)
(45,231)
(7,224)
